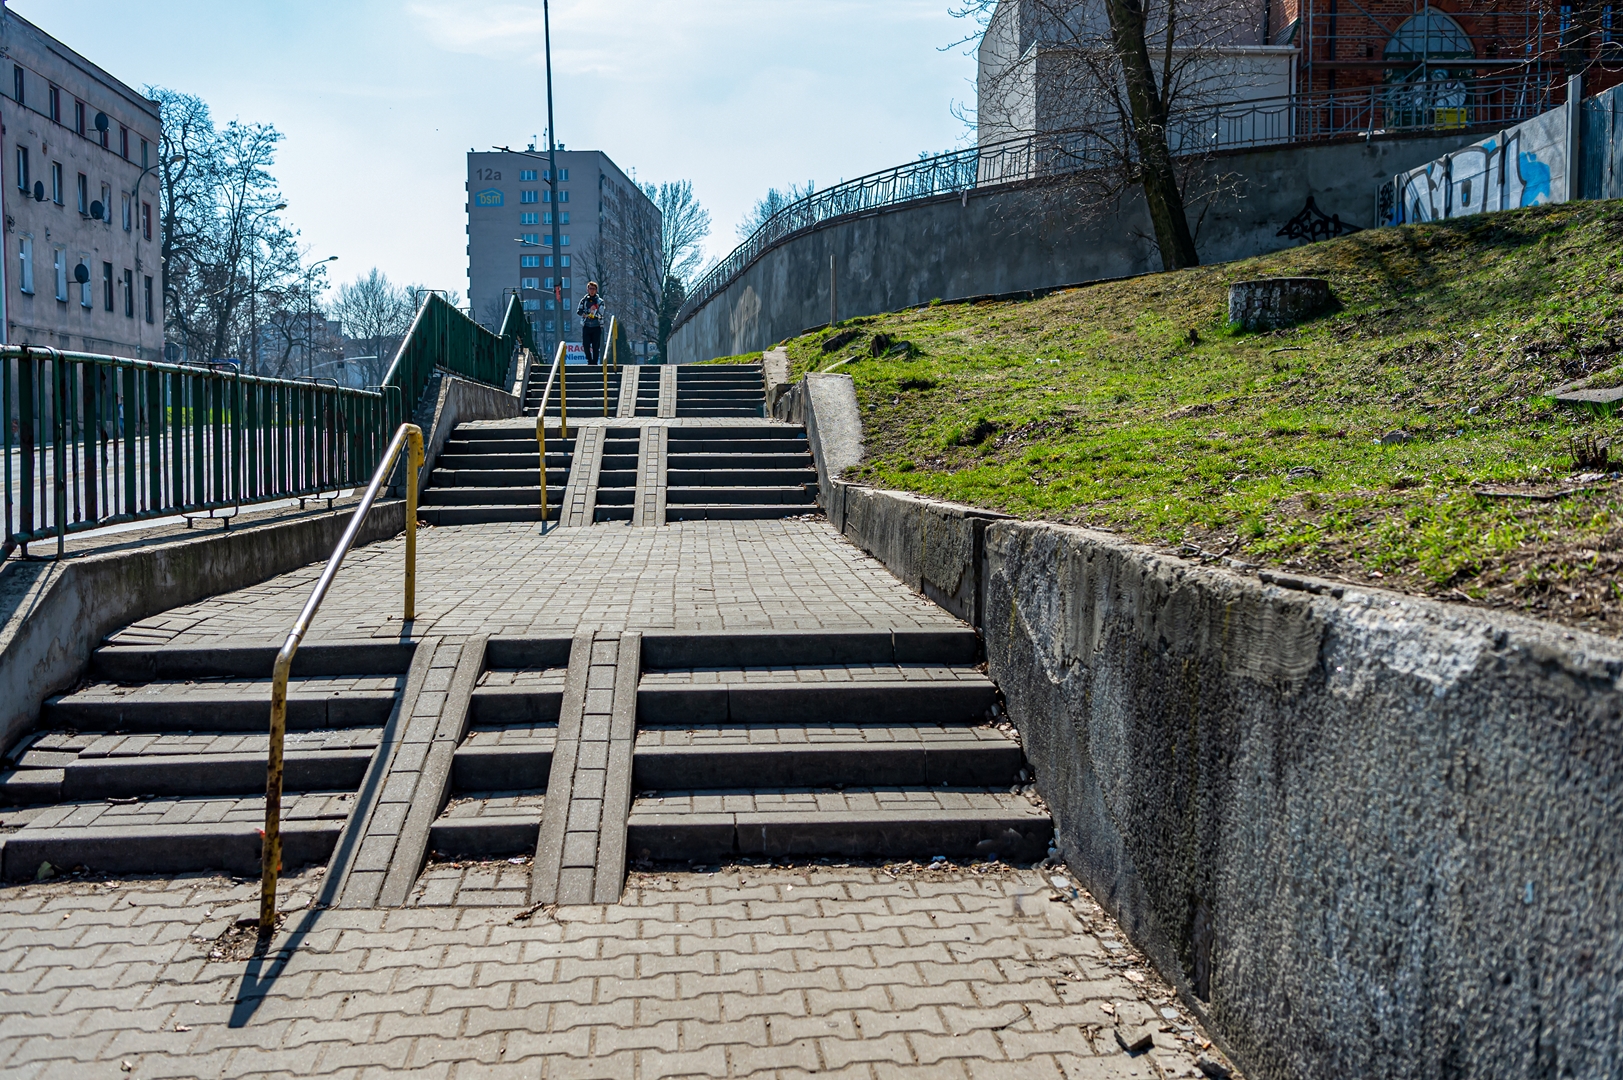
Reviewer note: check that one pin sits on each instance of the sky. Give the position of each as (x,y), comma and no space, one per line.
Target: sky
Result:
(380,101)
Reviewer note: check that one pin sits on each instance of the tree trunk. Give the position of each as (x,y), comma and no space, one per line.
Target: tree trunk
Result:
(1149,119)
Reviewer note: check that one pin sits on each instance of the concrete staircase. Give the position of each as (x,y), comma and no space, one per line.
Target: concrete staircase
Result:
(488,473)
(747,471)
(157,765)
(719,390)
(585,392)
(617,475)
(648,389)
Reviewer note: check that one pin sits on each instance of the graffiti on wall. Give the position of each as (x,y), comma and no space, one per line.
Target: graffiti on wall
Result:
(1524,166)
(1312,224)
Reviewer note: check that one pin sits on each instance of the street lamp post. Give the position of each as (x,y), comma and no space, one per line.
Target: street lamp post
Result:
(309,316)
(552,182)
(253,288)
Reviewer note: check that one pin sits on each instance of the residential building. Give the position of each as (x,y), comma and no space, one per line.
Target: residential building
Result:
(608,231)
(78,155)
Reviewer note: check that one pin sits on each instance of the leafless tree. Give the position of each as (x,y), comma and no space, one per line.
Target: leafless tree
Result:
(375,314)
(769,204)
(661,271)
(1120,96)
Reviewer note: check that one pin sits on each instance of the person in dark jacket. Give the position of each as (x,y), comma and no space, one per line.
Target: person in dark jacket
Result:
(591,312)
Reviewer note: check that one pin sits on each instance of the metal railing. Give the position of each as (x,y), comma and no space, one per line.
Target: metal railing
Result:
(90,441)
(541,422)
(1362,112)
(409,435)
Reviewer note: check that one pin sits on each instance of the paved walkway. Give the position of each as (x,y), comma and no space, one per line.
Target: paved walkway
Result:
(785,972)
(745,971)
(511,580)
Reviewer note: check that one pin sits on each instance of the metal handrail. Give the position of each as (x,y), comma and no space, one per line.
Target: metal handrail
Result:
(603,362)
(541,426)
(409,435)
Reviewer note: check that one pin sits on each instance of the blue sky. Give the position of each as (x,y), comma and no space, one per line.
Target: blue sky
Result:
(380,101)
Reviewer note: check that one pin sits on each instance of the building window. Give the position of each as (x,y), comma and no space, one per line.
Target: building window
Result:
(59,263)
(123,142)
(25,256)
(144,162)
(146,221)
(528,196)
(129,215)
(57,194)
(532,238)
(22,169)
(107,204)
(56,104)
(549,283)
(564,261)
(79,117)
(103,139)
(563,196)
(529,283)
(526,176)
(146,288)
(529,260)
(549,325)
(547,260)
(17,84)
(107,285)
(129,294)
(552,305)
(532,305)
(530,218)
(565,282)
(563,241)
(86,299)
(84,194)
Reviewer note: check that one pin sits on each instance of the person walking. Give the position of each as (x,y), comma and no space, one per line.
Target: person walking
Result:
(591,323)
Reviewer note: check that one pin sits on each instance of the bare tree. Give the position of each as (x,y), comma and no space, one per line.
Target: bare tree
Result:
(1120,96)
(375,314)
(659,271)
(773,201)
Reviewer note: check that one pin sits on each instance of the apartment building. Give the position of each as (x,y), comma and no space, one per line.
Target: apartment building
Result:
(78,158)
(608,232)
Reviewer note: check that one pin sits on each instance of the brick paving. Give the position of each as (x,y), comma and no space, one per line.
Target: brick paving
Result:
(747,971)
(512,580)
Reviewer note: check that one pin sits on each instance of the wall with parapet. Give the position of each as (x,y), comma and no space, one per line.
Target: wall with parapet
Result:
(1017,238)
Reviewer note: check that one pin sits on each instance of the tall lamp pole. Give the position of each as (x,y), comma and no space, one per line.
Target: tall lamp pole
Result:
(253,288)
(552,184)
(309,316)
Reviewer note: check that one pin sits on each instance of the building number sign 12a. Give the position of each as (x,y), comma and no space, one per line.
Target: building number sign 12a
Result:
(487,174)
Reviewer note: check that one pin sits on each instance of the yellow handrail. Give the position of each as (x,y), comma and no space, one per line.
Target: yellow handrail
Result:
(271,850)
(614,340)
(541,422)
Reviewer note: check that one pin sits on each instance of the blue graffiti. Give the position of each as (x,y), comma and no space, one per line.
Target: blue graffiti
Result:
(1535,176)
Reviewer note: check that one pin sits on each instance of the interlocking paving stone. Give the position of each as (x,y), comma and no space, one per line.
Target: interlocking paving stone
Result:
(747,972)
(832,734)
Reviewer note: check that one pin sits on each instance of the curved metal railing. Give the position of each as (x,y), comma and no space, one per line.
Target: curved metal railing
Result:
(1362,112)
(409,435)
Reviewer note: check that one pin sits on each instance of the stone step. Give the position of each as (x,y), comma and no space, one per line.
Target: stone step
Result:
(224,705)
(616,497)
(200,774)
(503,757)
(710,432)
(734,511)
(869,693)
(607,512)
(689,444)
(515,457)
(858,822)
(491,823)
(525,442)
(495,478)
(957,648)
(170,835)
(492,496)
(738,756)
(517,696)
(485,514)
(800,495)
(147,663)
(730,460)
(739,477)
(692,410)
(616,478)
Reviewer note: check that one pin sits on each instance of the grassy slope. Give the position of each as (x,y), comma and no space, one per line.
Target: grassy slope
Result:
(1131,406)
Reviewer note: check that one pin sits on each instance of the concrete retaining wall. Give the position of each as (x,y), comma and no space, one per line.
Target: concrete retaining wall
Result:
(1012,238)
(1364,834)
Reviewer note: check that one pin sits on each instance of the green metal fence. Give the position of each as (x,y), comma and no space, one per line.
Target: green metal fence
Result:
(90,441)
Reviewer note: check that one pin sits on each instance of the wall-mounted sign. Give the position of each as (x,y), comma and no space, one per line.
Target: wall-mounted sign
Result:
(488,197)
(574,352)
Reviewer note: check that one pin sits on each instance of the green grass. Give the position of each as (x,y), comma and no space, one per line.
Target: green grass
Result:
(1133,406)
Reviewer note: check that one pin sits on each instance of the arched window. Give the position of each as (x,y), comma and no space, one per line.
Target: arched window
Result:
(1423,92)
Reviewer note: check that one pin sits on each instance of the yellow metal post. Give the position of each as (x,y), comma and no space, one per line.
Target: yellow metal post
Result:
(541,438)
(563,391)
(414,465)
(270,852)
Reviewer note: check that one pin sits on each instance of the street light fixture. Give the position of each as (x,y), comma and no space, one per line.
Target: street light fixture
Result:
(309,316)
(253,288)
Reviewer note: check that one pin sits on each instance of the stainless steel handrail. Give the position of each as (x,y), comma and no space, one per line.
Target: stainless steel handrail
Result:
(271,849)
(541,426)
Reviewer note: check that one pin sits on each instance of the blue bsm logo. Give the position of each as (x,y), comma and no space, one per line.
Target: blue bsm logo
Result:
(487,197)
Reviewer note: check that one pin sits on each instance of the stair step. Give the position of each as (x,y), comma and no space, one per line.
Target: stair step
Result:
(504,757)
(734,511)
(223,705)
(858,822)
(494,478)
(799,495)
(873,693)
(486,496)
(147,663)
(749,755)
(691,445)
(958,647)
(171,835)
(518,697)
(735,460)
(486,514)
(490,824)
(739,477)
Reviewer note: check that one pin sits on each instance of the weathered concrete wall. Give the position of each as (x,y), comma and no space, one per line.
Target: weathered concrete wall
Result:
(1011,239)
(56,613)
(1364,834)
(446,402)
